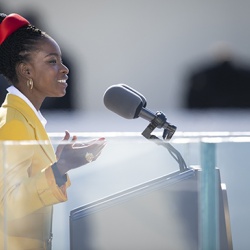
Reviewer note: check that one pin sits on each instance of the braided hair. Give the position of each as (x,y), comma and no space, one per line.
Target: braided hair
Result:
(16,49)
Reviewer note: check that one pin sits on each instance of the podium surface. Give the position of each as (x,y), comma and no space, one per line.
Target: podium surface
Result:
(160,214)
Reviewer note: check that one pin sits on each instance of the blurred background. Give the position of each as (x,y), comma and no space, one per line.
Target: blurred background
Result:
(156,47)
(190,60)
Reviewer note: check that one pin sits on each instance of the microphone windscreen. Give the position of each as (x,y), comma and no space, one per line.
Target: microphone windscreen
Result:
(144,101)
(123,101)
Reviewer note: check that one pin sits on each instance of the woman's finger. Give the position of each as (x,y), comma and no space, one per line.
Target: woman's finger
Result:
(66,136)
(61,146)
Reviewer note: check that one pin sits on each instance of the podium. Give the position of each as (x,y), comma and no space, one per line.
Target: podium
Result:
(162,213)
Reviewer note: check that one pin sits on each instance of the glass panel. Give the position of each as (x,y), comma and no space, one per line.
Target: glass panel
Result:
(138,193)
(25,202)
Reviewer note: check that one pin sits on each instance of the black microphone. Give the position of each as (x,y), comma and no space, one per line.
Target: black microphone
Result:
(130,104)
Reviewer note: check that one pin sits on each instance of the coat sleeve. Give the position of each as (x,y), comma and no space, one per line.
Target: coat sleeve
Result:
(23,190)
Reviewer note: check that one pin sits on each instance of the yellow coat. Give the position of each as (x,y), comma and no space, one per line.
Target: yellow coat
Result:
(27,184)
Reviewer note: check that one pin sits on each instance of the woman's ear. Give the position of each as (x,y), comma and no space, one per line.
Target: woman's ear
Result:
(23,70)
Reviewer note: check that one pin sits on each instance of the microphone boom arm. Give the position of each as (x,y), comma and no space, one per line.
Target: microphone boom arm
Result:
(158,122)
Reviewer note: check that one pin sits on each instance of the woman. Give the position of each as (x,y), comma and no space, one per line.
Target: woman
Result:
(33,176)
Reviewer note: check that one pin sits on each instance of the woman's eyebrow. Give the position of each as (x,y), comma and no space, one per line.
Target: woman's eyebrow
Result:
(53,54)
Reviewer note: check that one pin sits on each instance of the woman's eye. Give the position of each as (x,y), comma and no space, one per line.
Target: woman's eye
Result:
(52,61)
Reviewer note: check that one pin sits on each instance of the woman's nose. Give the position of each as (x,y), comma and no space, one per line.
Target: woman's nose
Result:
(65,69)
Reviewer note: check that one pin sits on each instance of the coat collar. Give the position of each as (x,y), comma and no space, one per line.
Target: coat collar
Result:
(41,135)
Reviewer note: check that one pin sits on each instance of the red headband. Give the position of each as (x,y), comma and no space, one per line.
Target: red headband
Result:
(10,24)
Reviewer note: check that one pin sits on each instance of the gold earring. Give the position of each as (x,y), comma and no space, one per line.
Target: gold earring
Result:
(30,83)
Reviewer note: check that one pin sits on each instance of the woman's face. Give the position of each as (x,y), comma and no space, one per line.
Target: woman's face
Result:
(48,73)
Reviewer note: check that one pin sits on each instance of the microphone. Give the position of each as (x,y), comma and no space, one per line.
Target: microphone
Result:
(130,104)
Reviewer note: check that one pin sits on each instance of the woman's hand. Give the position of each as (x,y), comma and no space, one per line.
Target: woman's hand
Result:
(73,155)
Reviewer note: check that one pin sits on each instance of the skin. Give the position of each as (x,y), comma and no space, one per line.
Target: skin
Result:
(47,71)
(45,68)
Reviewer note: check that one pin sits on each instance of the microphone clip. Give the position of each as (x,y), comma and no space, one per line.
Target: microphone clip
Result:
(159,121)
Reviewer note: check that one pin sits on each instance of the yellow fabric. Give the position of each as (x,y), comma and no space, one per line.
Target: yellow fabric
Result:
(27,185)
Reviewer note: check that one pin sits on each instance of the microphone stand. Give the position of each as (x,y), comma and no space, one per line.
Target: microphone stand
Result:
(158,122)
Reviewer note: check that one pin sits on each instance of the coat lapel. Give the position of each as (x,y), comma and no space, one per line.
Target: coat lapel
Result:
(40,133)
